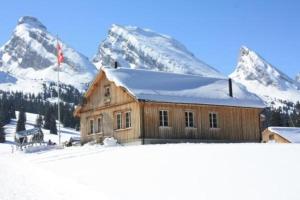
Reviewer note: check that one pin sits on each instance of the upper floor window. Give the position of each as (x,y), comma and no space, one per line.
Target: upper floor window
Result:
(213,120)
(163,118)
(107,91)
(189,119)
(119,120)
(127,119)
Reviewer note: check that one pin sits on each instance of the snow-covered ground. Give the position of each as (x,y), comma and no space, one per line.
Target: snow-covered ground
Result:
(171,171)
(174,171)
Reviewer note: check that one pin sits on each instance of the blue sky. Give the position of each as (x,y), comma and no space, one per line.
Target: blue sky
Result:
(213,30)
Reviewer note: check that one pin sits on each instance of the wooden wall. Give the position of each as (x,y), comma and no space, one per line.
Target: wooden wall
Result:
(96,106)
(234,124)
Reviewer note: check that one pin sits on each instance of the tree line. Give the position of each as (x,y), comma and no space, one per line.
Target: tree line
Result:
(39,104)
(286,116)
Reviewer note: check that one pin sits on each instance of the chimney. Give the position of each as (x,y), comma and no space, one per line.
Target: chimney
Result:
(230,87)
(116,65)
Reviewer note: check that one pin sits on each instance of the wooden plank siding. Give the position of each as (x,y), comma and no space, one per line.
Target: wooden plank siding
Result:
(234,123)
(96,106)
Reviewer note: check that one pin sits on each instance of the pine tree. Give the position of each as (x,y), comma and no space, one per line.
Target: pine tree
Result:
(47,118)
(21,121)
(2,134)
(276,118)
(50,121)
(53,129)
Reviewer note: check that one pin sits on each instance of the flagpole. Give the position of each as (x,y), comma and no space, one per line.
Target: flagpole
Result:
(58,99)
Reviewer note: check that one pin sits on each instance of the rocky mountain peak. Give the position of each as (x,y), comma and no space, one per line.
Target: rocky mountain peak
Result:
(252,66)
(32,22)
(30,55)
(135,47)
(264,79)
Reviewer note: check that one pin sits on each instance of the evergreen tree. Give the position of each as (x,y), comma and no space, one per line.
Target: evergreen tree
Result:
(2,134)
(50,121)
(53,129)
(275,118)
(21,121)
(47,118)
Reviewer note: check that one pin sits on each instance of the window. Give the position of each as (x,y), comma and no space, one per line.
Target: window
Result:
(127,119)
(213,123)
(189,119)
(99,125)
(119,120)
(107,91)
(163,118)
(91,126)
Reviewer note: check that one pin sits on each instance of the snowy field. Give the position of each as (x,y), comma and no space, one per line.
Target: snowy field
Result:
(177,171)
(152,172)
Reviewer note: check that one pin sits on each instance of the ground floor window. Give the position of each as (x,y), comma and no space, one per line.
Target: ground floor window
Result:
(213,120)
(163,118)
(91,126)
(119,120)
(189,119)
(127,119)
(99,124)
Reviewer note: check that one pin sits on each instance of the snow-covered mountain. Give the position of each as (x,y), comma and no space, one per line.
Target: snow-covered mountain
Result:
(134,47)
(28,59)
(265,80)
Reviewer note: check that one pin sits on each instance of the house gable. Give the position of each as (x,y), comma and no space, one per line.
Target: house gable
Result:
(104,93)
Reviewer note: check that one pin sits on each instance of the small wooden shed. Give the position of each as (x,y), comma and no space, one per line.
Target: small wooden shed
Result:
(281,135)
(145,106)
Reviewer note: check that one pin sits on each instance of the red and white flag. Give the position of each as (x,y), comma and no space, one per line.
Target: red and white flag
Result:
(60,56)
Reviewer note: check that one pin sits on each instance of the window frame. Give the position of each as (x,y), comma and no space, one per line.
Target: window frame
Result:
(121,123)
(91,127)
(213,124)
(99,124)
(129,122)
(188,119)
(107,91)
(162,121)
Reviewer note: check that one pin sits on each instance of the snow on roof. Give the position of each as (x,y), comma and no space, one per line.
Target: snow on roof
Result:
(181,88)
(292,134)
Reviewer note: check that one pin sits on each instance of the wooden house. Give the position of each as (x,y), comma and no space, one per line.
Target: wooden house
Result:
(281,135)
(140,106)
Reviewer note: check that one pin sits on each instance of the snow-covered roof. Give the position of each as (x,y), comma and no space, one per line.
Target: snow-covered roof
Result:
(181,88)
(292,134)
